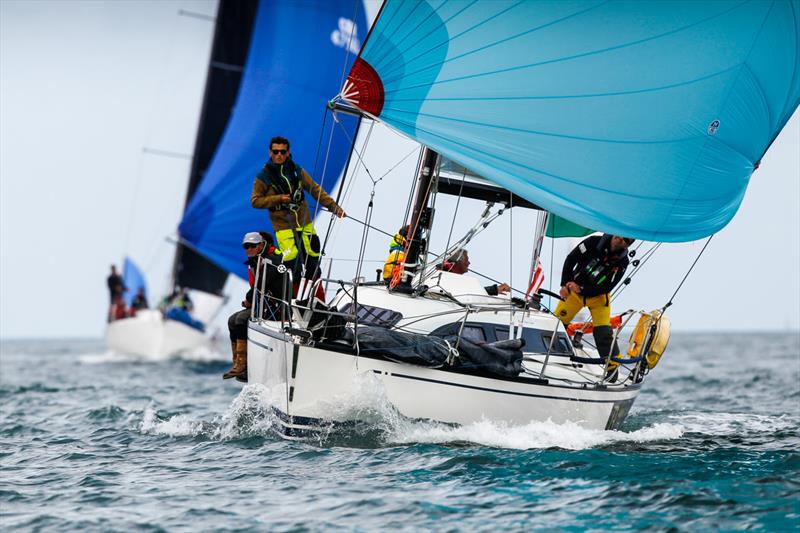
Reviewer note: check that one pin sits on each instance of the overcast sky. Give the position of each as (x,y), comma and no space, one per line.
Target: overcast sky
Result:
(87,87)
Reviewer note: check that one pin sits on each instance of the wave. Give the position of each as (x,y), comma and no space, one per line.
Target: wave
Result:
(249,415)
(727,424)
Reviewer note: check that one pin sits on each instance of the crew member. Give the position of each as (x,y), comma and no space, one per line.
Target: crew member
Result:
(458,263)
(280,188)
(590,273)
(256,245)
(397,254)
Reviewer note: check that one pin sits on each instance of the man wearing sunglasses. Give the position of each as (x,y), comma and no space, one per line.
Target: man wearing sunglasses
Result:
(256,245)
(591,271)
(280,187)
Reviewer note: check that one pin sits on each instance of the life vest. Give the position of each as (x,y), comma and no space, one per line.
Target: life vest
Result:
(600,265)
(285,179)
(650,337)
(396,257)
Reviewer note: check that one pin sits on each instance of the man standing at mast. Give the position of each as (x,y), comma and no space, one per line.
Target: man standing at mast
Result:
(280,188)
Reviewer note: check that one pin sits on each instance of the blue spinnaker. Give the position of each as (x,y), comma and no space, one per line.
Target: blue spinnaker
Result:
(298,55)
(133,279)
(644,119)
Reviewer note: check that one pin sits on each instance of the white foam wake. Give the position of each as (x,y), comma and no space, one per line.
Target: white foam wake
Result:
(248,415)
(534,435)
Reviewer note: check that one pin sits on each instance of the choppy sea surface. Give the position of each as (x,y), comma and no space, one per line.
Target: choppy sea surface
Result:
(90,441)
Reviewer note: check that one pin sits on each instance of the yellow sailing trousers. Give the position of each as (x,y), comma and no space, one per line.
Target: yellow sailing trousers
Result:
(598,307)
(288,246)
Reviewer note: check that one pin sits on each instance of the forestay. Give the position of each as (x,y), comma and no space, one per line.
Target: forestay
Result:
(644,119)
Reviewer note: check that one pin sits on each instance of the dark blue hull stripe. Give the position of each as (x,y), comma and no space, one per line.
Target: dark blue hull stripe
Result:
(514,393)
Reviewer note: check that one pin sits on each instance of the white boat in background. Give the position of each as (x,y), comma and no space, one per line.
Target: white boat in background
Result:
(149,334)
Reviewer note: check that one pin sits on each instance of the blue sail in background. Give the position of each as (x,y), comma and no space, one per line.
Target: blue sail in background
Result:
(644,119)
(133,279)
(299,52)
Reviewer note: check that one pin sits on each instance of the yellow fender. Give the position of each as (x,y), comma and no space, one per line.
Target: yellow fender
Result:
(658,342)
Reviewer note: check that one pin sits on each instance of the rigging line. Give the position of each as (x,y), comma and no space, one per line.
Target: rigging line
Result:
(332,223)
(350,41)
(669,303)
(319,146)
(647,255)
(360,159)
(339,194)
(365,234)
(407,215)
(455,214)
(355,175)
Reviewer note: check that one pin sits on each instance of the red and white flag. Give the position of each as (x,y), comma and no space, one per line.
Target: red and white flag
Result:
(536,282)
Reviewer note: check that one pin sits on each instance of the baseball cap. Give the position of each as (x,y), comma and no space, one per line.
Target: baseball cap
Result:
(253,237)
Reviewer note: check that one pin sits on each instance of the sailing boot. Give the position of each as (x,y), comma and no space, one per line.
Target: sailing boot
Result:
(233,360)
(239,367)
(603,335)
(242,346)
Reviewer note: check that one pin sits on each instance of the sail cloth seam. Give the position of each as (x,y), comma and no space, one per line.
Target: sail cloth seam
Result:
(490,45)
(388,21)
(785,115)
(425,36)
(382,53)
(531,131)
(450,39)
(561,97)
(575,56)
(554,176)
(708,137)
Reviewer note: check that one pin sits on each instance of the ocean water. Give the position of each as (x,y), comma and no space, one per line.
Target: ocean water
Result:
(93,442)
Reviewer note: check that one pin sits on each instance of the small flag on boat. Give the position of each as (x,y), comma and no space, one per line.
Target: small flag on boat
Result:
(536,281)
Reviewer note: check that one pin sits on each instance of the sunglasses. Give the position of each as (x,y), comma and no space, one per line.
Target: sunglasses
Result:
(249,245)
(282,152)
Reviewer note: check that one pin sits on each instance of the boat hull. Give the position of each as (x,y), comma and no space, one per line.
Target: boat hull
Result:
(149,335)
(309,386)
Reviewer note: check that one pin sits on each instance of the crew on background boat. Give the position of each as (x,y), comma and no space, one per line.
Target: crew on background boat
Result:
(458,263)
(591,271)
(119,309)
(279,187)
(116,288)
(256,245)
(180,307)
(397,254)
(139,301)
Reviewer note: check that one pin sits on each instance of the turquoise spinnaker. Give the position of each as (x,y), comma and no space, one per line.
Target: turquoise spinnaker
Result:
(643,119)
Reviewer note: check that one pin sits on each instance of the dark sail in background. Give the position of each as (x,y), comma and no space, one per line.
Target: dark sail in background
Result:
(296,62)
(232,34)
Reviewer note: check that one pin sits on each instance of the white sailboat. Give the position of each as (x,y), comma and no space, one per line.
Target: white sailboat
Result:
(547,102)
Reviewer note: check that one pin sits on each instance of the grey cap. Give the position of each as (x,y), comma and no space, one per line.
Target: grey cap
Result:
(253,237)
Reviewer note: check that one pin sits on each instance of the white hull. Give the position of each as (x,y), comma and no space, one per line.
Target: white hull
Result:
(308,387)
(149,335)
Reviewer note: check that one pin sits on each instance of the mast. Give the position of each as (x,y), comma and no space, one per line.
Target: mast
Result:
(421,218)
(232,33)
